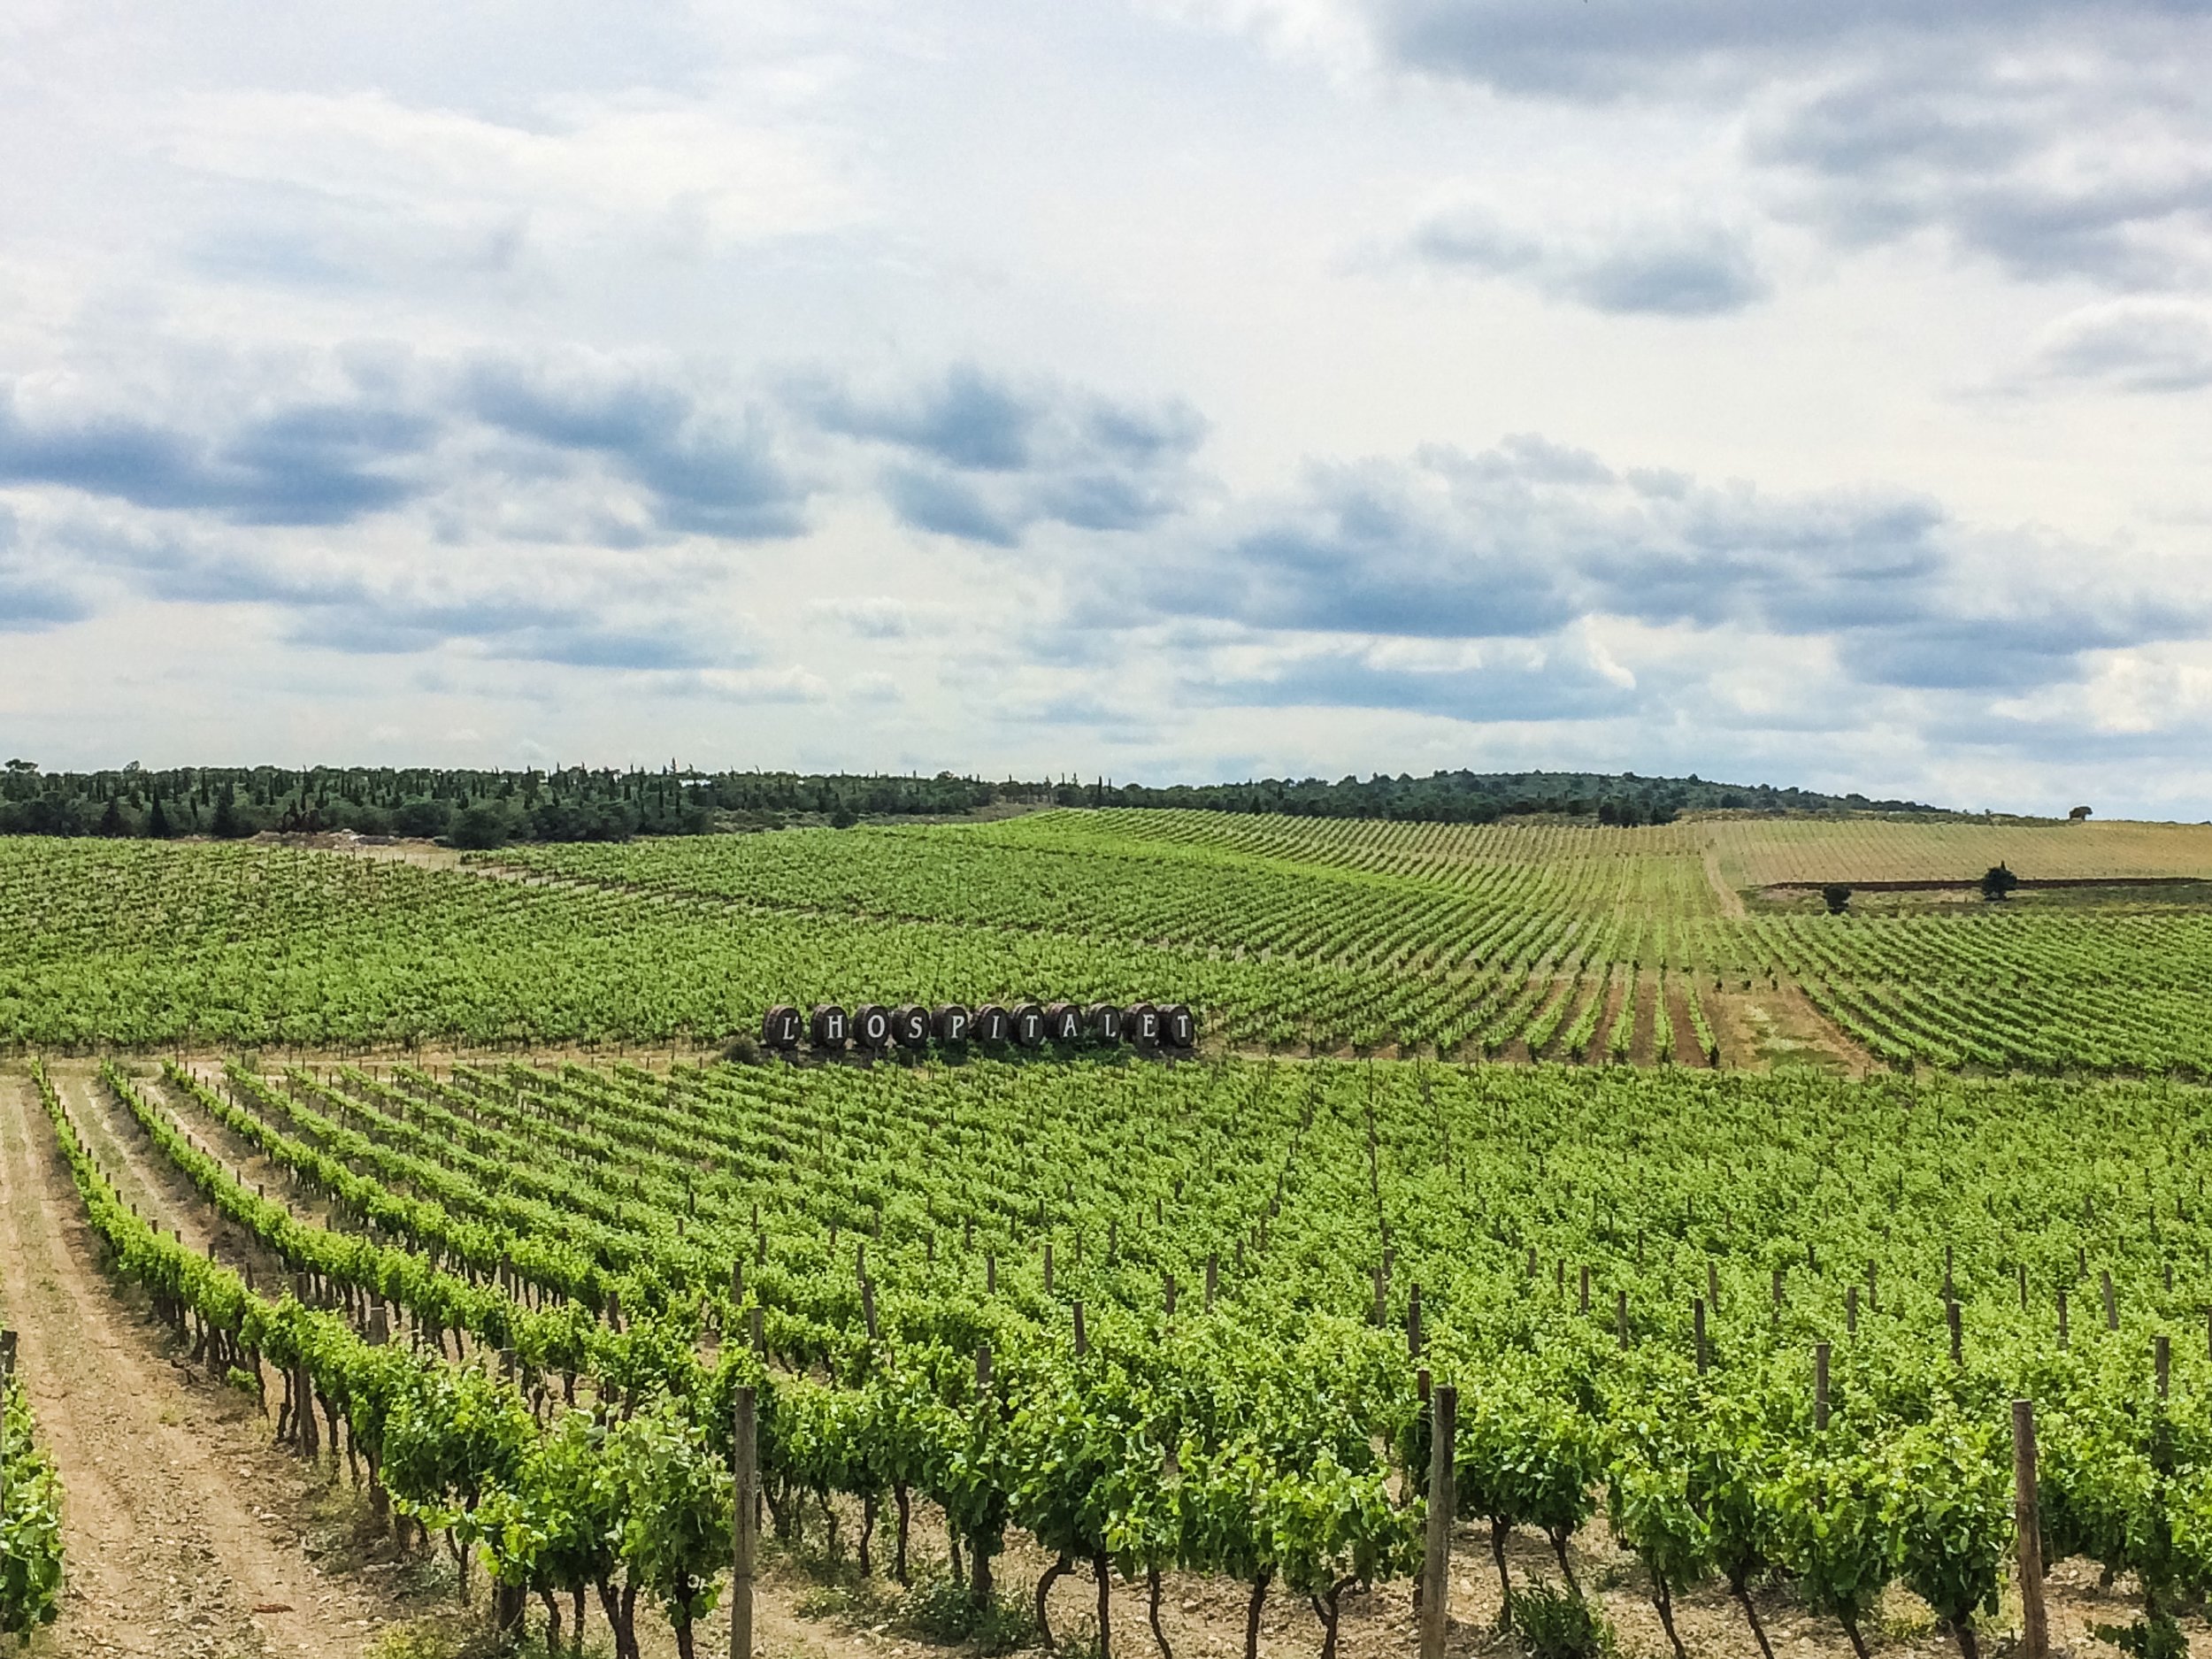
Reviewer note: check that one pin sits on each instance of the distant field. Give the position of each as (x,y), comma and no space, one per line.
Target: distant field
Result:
(1756,853)
(1291,936)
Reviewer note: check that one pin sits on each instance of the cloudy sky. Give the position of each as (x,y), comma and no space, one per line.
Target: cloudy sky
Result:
(1160,388)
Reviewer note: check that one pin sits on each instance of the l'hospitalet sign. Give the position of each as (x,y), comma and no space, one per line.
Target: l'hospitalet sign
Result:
(871,1026)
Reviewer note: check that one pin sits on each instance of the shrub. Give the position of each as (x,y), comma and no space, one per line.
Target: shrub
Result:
(1551,1621)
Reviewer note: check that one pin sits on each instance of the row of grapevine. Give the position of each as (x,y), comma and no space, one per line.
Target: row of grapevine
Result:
(30,1512)
(1562,1423)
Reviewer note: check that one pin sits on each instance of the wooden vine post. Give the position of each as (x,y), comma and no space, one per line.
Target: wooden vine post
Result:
(2035,1631)
(742,1539)
(7,1375)
(1436,1569)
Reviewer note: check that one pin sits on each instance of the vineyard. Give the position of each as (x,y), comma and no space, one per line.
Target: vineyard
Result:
(1734,1347)
(1143,1323)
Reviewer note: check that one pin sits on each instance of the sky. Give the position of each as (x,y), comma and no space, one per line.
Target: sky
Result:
(1164,390)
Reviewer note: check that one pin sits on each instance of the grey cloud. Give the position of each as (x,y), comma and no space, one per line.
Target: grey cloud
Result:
(984,459)
(700,469)
(938,501)
(502,627)
(2041,644)
(709,473)
(1515,543)
(968,419)
(30,599)
(359,609)
(1552,684)
(577,644)
(2092,168)
(310,464)
(2052,139)
(1099,500)
(1687,271)
(1669,47)
(2137,347)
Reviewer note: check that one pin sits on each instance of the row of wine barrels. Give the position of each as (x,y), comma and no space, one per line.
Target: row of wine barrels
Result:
(873,1028)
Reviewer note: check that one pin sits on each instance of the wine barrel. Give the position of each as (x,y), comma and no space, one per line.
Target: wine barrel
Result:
(829,1025)
(1103,1023)
(782,1027)
(953,1023)
(910,1026)
(1142,1021)
(1063,1022)
(1178,1027)
(993,1024)
(1028,1025)
(871,1026)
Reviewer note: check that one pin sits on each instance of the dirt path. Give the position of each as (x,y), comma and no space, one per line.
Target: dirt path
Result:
(1775,1027)
(182,1521)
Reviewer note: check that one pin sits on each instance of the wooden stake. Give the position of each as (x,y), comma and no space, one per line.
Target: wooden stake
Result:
(2111,1303)
(1697,1322)
(1436,1571)
(1820,1385)
(2035,1635)
(742,1538)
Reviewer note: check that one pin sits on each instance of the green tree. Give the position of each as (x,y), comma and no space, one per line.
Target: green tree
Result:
(481,827)
(227,824)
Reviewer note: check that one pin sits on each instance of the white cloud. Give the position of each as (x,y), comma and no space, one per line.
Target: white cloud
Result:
(1009,381)
(686,178)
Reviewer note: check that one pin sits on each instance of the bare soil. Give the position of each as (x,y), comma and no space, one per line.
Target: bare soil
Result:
(183,1526)
(1769,1027)
(1687,1050)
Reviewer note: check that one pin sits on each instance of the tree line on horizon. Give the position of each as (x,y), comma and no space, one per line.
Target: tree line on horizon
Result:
(488,808)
